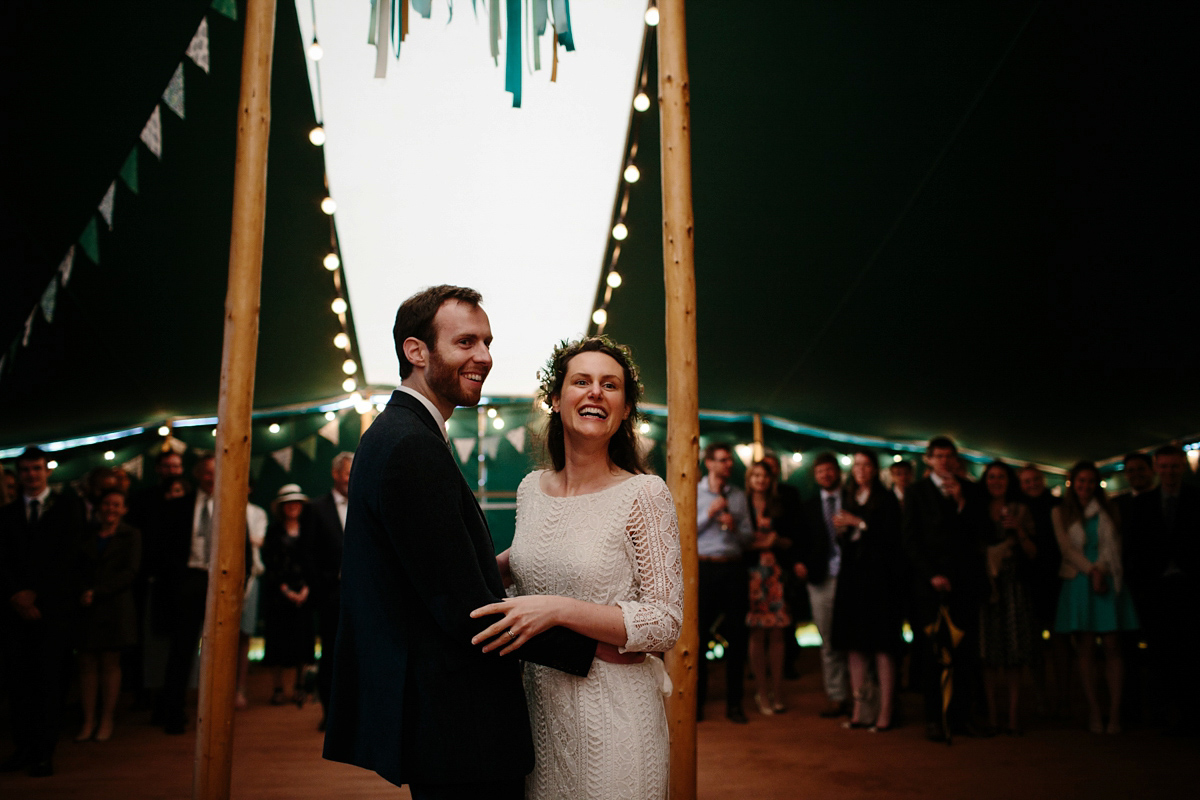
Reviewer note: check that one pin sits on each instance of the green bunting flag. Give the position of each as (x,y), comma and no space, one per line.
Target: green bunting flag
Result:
(308,447)
(227,8)
(89,240)
(129,172)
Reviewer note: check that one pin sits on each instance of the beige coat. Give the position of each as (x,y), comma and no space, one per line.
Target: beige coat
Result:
(1071,540)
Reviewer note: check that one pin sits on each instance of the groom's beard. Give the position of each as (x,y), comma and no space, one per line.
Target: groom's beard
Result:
(443,379)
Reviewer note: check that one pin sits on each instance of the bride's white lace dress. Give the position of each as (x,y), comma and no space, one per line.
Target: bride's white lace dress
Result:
(604,736)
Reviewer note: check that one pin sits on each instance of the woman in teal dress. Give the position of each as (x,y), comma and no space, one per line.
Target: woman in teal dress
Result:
(1094,601)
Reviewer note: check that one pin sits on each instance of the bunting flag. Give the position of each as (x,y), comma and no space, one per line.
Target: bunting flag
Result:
(49,299)
(177,446)
(227,8)
(464,447)
(198,49)
(106,204)
(256,465)
(28,330)
(173,96)
(135,466)
(283,458)
(331,431)
(64,269)
(152,133)
(89,240)
(3,358)
(491,446)
(129,171)
(517,439)
(308,447)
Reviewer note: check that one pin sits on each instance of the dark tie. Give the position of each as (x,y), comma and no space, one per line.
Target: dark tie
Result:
(205,530)
(33,512)
(830,509)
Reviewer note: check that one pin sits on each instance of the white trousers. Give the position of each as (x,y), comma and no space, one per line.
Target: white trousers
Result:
(833,662)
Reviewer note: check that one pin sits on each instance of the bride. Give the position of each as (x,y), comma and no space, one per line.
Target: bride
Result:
(596,550)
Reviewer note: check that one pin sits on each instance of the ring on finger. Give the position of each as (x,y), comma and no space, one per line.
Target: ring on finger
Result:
(510,633)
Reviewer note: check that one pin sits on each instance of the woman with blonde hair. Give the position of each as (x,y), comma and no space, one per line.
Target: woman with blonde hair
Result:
(1093,600)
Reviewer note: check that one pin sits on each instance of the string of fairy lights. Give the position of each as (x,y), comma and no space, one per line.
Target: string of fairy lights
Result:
(332,260)
(630,174)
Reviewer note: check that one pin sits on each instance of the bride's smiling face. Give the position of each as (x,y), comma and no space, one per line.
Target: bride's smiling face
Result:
(592,401)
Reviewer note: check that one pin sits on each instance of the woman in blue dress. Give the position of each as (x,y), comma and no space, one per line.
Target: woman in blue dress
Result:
(1094,601)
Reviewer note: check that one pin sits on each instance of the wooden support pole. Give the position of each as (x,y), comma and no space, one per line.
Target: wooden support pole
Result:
(759,450)
(226,572)
(683,409)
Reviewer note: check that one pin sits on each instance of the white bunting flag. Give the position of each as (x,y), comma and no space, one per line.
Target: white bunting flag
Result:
(198,50)
(330,431)
(152,133)
(28,329)
(283,458)
(49,299)
(173,96)
(106,204)
(517,439)
(464,447)
(134,466)
(491,446)
(178,446)
(64,269)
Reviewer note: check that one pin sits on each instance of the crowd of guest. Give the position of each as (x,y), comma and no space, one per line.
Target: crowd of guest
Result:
(999,580)
(112,586)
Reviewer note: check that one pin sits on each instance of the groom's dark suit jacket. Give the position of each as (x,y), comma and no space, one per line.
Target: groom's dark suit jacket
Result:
(413,699)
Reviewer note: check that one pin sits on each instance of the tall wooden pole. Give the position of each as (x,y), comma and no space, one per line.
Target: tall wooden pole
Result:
(683,411)
(226,572)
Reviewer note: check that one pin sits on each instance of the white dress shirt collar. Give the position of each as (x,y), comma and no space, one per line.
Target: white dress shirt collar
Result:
(431,408)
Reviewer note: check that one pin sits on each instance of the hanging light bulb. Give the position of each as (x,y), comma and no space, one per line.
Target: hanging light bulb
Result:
(797,458)
(632,173)
(330,415)
(331,262)
(341,341)
(349,385)
(641,101)
(644,428)
(651,16)
(620,231)
(51,464)
(599,316)
(163,430)
(329,205)
(273,427)
(315,51)
(349,366)
(317,136)
(491,412)
(338,306)
(109,455)
(498,424)
(613,279)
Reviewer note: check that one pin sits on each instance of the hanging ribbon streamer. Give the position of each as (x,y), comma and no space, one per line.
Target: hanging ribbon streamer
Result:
(494,30)
(423,7)
(512,58)
(562,24)
(379,34)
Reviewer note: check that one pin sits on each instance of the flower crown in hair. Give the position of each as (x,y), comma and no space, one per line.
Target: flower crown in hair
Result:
(556,366)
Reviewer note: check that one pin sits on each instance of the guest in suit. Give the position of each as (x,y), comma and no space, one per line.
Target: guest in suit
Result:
(1094,601)
(818,561)
(1164,575)
(109,556)
(288,580)
(412,699)
(39,545)
(794,593)
(901,473)
(185,538)
(867,607)
(943,530)
(330,513)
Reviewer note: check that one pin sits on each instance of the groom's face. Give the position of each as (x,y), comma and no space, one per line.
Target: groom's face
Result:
(462,359)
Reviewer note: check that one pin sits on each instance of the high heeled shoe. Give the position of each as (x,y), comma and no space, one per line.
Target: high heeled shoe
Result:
(763,707)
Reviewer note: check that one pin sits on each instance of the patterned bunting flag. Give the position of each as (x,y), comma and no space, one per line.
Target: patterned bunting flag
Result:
(283,458)
(89,240)
(49,299)
(198,49)
(517,439)
(173,96)
(106,204)
(464,447)
(152,133)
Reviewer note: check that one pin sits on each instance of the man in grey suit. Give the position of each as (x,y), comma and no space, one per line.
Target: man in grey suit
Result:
(412,699)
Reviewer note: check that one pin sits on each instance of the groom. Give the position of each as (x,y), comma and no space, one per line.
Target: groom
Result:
(412,699)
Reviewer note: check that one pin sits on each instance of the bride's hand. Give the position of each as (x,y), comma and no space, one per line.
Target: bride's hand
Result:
(524,617)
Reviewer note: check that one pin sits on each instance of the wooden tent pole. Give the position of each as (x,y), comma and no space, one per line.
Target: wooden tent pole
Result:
(218,665)
(683,410)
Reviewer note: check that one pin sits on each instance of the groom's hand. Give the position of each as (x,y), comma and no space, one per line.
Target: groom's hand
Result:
(610,653)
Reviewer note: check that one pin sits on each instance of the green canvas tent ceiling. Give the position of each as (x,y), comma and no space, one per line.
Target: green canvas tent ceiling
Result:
(137,337)
(911,218)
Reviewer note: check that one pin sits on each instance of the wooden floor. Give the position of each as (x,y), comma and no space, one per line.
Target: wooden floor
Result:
(792,755)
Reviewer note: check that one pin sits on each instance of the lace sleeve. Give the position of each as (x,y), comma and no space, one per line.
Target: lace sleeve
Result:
(654,619)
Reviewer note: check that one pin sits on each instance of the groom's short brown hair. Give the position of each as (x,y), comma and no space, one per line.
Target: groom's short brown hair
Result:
(415,318)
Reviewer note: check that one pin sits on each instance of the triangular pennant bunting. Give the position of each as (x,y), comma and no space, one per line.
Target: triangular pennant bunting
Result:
(173,96)
(464,448)
(64,269)
(330,431)
(152,133)
(491,446)
(226,8)
(198,50)
(89,240)
(308,447)
(49,299)
(28,329)
(106,204)
(177,446)
(283,458)
(129,171)
(517,439)
(134,466)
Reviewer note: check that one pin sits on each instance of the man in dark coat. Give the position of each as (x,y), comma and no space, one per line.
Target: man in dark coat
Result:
(945,520)
(412,698)
(330,513)
(39,545)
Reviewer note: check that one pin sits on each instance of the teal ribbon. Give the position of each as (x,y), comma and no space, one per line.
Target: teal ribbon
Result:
(425,8)
(512,58)
(562,23)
